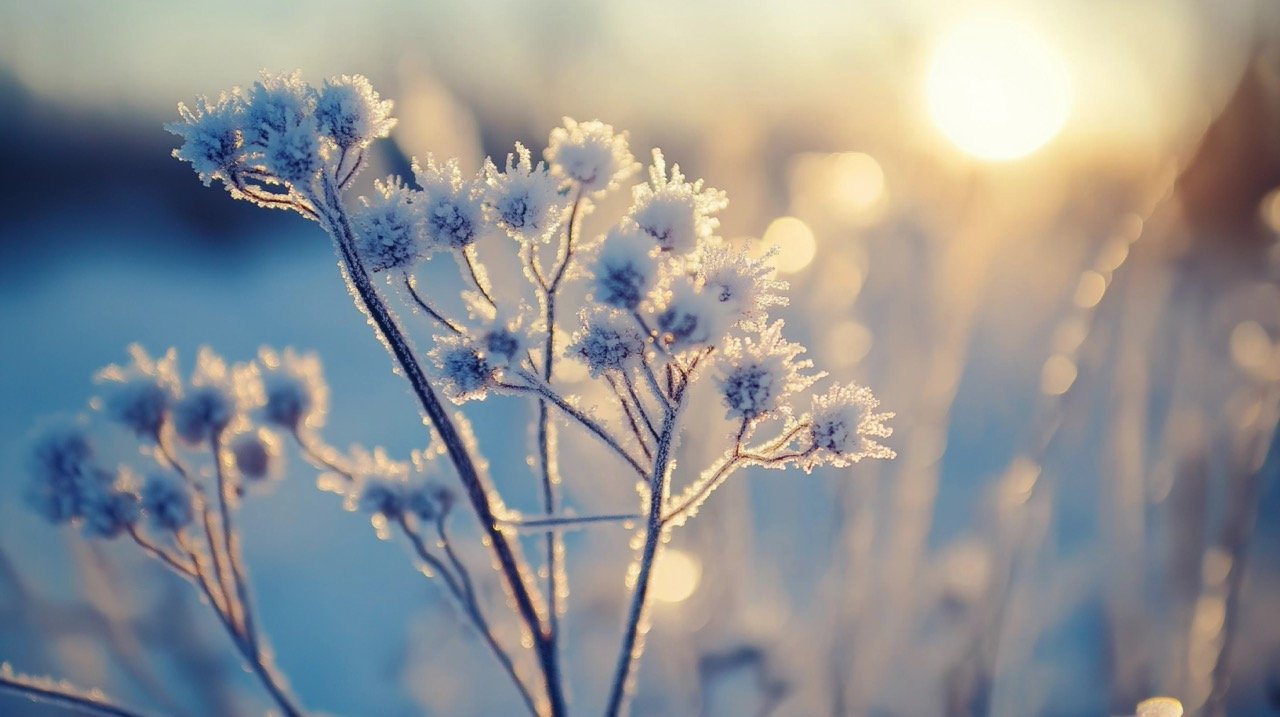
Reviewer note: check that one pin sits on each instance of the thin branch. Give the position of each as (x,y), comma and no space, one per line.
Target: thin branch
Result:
(159,553)
(63,695)
(469,258)
(631,417)
(644,413)
(410,284)
(554,521)
(231,545)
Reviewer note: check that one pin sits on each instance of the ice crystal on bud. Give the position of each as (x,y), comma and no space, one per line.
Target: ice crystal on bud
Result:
(462,368)
(843,427)
(218,394)
(167,500)
(110,511)
(389,226)
(745,286)
(591,155)
(691,319)
(277,105)
(757,375)
(525,199)
(140,395)
(675,214)
(293,154)
(608,341)
(452,209)
(295,393)
(351,113)
(625,268)
(211,139)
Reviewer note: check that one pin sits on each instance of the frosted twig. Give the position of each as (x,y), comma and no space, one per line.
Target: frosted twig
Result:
(422,304)
(567,521)
(61,693)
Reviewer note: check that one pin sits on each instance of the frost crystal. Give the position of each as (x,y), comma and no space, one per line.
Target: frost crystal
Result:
(463,370)
(59,460)
(625,268)
(218,395)
(351,113)
(676,215)
(591,155)
(525,200)
(389,227)
(109,512)
(756,376)
(745,286)
(139,396)
(211,139)
(608,341)
(277,105)
(293,154)
(452,210)
(295,391)
(691,319)
(843,428)
(167,501)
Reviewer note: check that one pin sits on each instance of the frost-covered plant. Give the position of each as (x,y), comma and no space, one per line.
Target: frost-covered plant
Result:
(669,306)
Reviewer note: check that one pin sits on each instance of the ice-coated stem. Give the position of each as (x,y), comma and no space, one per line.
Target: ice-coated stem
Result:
(509,563)
(655,527)
(50,693)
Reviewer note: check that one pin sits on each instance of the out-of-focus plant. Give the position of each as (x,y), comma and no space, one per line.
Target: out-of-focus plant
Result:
(669,307)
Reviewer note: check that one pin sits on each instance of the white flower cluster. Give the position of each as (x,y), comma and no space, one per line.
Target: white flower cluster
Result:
(213,411)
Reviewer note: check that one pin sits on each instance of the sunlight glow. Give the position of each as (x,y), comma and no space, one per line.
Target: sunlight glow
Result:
(676,575)
(795,242)
(998,90)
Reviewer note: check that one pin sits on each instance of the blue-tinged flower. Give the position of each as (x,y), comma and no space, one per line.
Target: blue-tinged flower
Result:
(218,395)
(294,154)
(139,395)
(691,319)
(844,428)
(390,226)
(591,155)
(608,341)
(110,512)
(276,105)
(464,371)
(59,458)
(625,268)
(351,113)
(525,200)
(757,375)
(452,209)
(295,392)
(256,455)
(167,500)
(675,214)
(746,287)
(211,138)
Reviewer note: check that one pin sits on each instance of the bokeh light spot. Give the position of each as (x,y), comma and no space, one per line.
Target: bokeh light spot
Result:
(795,242)
(676,575)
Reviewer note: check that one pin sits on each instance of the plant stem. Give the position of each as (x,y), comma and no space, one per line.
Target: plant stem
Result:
(632,645)
(509,563)
(51,694)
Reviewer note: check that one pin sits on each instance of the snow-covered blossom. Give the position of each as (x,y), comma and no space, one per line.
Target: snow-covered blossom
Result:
(296,394)
(502,339)
(452,209)
(462,369)
(59,458)
(109,512)
(690,318)
(218,394)
(167,500)
(428,501)
(675,214)
(256,454)
(294,153)
(758,374)
(276,105)
(625,268)
(843,427)
(390,231)
(525,200)
(590,154)
(140,395)
(351,113)
(383,495)
(211,139)
(745,286)
(608,341)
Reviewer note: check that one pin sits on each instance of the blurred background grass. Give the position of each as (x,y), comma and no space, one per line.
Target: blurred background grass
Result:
(1081,342)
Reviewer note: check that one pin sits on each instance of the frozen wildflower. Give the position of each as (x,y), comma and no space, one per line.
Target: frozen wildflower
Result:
(462,368)
(625,268)
(757,375)
(843,427)
(428,501)
(608,341)
(676,215)
(746,287)
(590,154)
(502,340)
(256,455)
(167,500)
(140,395)
(525,200)
(691,318)
(295,393)
(389,227)
(452,209)
(294,154)
(383,495)
(218,394)
(351,113)
(59,458)
(211,139)
(109,512)
(277,105)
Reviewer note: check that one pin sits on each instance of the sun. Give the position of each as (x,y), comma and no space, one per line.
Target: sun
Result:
(997,89)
